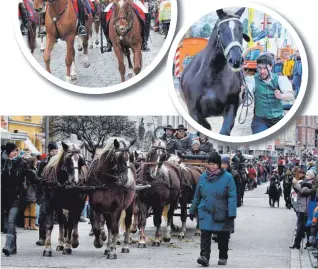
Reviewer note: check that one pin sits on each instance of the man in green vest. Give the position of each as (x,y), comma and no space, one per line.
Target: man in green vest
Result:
(269,90)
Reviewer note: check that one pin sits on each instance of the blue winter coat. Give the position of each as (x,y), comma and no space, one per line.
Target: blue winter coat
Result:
(215,203)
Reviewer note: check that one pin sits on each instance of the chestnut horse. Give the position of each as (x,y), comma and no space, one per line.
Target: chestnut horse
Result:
(125,33)
(61,22)
(114,180)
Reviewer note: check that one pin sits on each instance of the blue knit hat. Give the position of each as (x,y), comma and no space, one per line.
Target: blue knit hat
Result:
(226,160)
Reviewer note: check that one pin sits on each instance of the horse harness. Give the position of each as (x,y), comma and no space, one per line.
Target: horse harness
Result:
(55,19)
(130,24)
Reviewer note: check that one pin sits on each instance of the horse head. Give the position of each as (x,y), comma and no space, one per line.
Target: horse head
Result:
(39,5)
(123,16)
(70,164)
(229,34)
(157,154)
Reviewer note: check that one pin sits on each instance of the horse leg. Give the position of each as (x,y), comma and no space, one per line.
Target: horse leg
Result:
(69,226)
(79,43)
(69,59)
(96,30)
(121,65)
(114,230)
(128,221)
(157,223)
(109,230)
(50,40)
(142,219)
(184,213)
(102,228)
(137,60)
(95,221)
(130,66)
(173,206)
(229,120)
(85,46)
(49,228)
(75,235)
(60,242)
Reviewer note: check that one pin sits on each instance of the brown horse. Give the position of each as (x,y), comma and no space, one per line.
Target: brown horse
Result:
(165,190)
(61,22)
(125,33)
(114,179)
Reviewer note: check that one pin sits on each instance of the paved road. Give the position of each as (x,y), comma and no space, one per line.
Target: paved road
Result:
(103,69)
(261,239)
(216,122)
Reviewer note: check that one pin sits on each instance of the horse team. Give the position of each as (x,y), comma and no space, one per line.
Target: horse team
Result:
(61,22)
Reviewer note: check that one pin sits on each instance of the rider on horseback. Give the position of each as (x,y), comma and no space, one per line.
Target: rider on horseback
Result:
(81,3)
(274,178)
(146,26)
(25,18)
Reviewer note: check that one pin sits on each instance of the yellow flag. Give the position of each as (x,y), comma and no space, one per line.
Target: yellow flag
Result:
(250,20)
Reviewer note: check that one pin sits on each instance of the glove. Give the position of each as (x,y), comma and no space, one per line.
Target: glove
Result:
(191,216)
(312,239)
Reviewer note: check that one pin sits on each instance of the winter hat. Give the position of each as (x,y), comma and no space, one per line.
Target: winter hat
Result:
(311,173)
(10,147)
(214,157)
(315,170)
(52,145)
(226,160)
(196,142)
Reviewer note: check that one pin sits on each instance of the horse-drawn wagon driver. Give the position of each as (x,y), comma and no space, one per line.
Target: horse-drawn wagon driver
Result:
(184,139)
(269,90)
(172,143)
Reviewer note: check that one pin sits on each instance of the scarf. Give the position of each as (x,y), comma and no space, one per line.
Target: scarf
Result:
(213,175)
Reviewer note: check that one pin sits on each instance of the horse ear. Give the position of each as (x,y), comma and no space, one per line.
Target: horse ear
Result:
(132,142)
(65,146)
(246,38)
(221,14)
(116,144)
(240,12)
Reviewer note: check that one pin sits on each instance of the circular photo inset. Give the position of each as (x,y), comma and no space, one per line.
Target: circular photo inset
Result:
(95,46)
(239,73)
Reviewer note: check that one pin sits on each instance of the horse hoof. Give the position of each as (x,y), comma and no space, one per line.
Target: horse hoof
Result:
(181,236)
(74,77)
(125,250)
(97,42)
(134,231)
(142,245)
(197,234)
(80,48)
(103,237)
(59,248)
(98,244)
(75,245)
(47,253)
(156,244)
(112,256)
(106,252)
(67,251)
(87,64)
(118,243)
(166,240)
(91,233)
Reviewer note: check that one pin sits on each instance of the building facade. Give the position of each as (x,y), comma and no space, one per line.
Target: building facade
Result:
(306,133)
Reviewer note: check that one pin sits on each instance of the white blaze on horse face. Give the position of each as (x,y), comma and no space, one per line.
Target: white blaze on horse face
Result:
(121,3)
(75,158)
(232,27)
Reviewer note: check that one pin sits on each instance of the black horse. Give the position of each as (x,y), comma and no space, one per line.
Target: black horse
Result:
(210,82)
(65,170)
(274,192)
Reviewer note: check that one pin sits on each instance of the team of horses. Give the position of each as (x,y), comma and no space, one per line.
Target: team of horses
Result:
(61,22)
(122,186)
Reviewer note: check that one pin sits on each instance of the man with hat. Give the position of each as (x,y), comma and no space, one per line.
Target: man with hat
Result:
(12,178)
(238,160)
(183,138)
(205,145)
(53,151)
(172,143)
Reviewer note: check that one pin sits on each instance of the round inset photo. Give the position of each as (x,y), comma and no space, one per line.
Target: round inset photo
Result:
(95,46)
(239,73)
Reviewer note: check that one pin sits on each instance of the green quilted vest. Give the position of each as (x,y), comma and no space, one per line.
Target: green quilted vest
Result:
(266,104)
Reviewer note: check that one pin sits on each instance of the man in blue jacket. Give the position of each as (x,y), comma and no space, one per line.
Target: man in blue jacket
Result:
(215,204)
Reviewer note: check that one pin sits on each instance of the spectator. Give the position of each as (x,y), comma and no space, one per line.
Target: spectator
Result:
(278,67)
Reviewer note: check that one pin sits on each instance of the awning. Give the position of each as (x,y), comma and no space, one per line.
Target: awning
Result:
(4,134)
(31,147)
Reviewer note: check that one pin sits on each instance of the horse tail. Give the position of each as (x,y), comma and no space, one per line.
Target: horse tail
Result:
(165,212)
(122,220)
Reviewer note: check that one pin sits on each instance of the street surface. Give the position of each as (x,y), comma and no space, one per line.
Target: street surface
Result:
(261,239)
(103,69)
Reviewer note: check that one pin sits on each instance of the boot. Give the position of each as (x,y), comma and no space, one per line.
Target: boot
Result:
(10,247)
(40,242)
(203,261)
(25,19)
(146,32)
(33,227)
(81,29)
(26,223)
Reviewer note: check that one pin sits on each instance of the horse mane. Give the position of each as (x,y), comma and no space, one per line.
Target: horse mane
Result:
(174,159)
(109,145)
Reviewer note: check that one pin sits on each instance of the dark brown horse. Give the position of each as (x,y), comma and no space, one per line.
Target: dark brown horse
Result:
(61,22)
(65,172)
(116,179)
(165,190)
(125,33)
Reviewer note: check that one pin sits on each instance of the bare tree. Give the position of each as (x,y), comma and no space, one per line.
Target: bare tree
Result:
(92,130)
